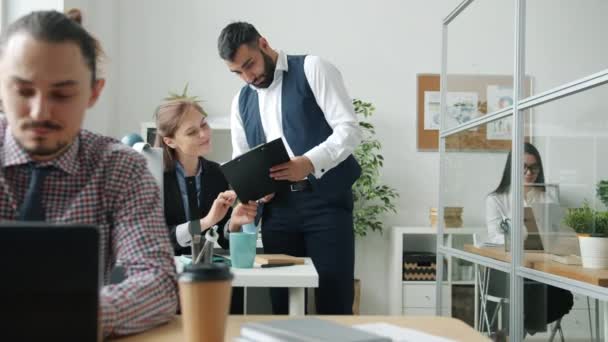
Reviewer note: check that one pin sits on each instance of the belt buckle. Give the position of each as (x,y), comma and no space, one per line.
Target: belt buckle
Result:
(293,188)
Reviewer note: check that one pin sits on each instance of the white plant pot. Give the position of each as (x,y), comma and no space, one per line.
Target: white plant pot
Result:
(594,251)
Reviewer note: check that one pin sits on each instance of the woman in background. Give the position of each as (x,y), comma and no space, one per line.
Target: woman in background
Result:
(543,303)
(498,203)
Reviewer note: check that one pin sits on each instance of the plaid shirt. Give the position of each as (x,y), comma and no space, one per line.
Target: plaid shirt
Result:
(101,182)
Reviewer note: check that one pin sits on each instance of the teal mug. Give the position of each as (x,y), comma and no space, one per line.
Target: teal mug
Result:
(242,249)
(249,228)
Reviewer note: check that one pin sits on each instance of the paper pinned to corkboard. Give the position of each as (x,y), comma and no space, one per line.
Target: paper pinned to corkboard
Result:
(476,95)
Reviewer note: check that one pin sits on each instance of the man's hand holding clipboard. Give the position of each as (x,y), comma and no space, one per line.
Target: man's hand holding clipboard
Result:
(294,170)
(250,175)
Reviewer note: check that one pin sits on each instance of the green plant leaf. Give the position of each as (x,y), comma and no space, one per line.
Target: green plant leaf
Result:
(371,198)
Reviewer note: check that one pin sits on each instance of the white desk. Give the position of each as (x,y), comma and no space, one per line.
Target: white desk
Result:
(297,278)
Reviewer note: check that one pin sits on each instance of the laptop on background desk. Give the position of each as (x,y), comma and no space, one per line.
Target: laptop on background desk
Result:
(544,224)
(49,289)
(533,242)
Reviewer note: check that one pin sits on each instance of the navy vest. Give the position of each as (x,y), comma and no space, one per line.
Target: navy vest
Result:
(304,126)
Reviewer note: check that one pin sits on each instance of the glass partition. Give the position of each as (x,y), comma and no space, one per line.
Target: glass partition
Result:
(474,165)
(564,41)
(564,169)
(480,61)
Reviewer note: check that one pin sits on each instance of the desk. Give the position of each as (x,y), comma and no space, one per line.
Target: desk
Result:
(439,326)
(541,261)
(296,278)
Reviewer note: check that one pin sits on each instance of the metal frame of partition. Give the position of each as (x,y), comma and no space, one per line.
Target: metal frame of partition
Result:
(515,270)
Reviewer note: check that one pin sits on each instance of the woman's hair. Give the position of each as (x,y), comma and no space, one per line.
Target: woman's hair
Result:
(56,27)
(505,182)
(168,118)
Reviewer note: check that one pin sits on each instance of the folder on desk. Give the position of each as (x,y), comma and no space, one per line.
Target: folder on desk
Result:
(249,173)
(278,259)
(304,330)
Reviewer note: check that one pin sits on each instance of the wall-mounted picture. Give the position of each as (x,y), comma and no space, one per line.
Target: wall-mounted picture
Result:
(462,107)
(469,97)
(499,97)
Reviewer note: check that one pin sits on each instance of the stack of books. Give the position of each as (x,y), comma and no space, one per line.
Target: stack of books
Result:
(451,215)
(305,330)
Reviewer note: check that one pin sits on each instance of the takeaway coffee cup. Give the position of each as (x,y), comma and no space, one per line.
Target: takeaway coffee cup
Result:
(204,294)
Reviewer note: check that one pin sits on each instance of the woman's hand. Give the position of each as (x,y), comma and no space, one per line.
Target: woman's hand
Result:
(219,209)
(267,198)
(242,214)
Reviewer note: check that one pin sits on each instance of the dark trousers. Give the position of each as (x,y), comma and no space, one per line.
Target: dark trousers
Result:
(543,304)
(307,225)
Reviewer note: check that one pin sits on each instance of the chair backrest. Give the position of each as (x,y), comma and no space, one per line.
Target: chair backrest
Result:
(154,159)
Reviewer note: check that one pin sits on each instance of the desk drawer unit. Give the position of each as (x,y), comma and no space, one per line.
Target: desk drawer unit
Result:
(423,296)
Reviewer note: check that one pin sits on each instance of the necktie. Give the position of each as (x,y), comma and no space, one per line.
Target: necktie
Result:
(192,198)
(32,208)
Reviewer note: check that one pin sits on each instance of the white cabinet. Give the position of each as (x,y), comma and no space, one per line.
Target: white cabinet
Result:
(419,297)
(422,296)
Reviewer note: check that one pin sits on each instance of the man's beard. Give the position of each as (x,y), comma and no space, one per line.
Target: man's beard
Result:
(269,68)
(39,149)
(45,151)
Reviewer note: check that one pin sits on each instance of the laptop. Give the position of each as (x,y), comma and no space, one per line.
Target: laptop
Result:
(50,282)
(533,241)
(556,236)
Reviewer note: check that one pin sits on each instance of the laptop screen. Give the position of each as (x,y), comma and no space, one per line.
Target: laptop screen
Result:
(533,241)
(50,282)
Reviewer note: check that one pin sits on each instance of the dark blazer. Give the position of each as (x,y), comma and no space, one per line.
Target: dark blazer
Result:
(212,183)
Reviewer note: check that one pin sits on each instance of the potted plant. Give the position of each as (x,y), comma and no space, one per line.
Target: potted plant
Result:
(591,226)
(371,198)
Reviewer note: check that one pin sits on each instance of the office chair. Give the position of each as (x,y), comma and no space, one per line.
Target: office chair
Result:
(487,320)
(154,160)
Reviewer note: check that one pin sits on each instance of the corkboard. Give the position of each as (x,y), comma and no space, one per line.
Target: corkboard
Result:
(472,140)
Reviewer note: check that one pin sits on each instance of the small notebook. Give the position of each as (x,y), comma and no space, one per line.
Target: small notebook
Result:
(305,330)
(277,259)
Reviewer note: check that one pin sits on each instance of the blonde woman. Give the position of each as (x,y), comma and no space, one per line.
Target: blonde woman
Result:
(194,187)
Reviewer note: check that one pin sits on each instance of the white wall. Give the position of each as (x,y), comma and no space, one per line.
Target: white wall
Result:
(157,46)
(99,18)
(13,9)
(378,47)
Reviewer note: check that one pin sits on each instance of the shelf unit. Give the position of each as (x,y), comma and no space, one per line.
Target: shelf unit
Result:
(418,297)
(589,85)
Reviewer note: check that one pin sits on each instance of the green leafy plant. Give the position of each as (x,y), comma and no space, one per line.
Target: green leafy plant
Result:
(587,220)
(183,96)
(372,199)
(602,191)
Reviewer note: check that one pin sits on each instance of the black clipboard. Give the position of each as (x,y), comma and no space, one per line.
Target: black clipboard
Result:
(249,173)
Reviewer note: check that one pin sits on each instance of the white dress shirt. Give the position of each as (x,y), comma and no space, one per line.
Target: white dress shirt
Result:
(328,88)
(498,207)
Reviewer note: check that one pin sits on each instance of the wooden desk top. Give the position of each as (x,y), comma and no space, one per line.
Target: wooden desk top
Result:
(542,262)
(439,326)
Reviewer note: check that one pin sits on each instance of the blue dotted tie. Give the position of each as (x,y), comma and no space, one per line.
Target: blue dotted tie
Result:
(32,208)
